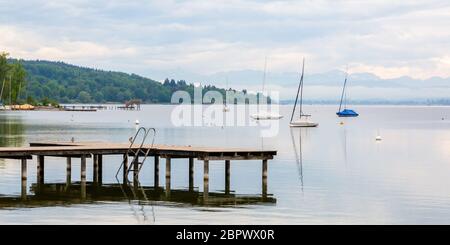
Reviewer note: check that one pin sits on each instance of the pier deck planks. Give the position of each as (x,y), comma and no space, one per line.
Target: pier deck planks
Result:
(107,148)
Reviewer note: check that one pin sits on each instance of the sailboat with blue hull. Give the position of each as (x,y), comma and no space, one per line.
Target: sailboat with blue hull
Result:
(345,112)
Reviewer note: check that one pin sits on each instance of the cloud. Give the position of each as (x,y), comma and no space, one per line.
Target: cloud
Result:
(383,37)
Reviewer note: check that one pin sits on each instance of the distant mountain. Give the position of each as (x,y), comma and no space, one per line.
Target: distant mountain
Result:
(327,86)
(330,78)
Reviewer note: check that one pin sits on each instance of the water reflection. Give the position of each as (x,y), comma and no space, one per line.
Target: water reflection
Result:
(56,194)
(298,153)
(11,131)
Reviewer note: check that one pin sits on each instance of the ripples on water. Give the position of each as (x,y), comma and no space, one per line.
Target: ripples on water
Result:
(334,174)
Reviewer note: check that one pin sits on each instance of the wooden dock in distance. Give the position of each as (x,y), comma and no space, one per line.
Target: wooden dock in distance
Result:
(85,150)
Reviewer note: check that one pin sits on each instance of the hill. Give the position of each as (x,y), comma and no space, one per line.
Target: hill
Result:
(68,83)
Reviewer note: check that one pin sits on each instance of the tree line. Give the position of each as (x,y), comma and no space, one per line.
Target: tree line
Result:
(43,82)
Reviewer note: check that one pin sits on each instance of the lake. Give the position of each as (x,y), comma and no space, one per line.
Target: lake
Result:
(336,173)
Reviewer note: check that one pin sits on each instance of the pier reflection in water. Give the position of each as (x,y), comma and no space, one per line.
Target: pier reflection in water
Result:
(55,194)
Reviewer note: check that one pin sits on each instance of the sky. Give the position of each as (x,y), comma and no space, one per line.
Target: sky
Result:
(389,39)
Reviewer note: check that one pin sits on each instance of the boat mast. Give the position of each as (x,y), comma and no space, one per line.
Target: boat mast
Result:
(300,86)
(343,90)
(226,89)
(10,90)
(3,86)
(264,76)
(301,89)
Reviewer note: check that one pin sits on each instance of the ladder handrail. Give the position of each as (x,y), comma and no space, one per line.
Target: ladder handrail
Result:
(150,148)
(136,155)
(130,148)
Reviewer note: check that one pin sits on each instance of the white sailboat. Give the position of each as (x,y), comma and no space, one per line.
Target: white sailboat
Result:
(303,120)
(265,115)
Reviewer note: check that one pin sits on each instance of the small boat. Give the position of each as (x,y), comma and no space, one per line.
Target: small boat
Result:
(303,120)
(378,138)
(346,112)
(264,115)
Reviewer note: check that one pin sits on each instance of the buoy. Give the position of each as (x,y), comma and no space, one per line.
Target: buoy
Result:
(136,122)
(378,138)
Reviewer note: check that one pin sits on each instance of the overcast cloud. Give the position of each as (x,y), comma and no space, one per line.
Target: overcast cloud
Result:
(386,38)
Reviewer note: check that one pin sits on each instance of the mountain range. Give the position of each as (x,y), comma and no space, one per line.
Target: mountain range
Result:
(326,85)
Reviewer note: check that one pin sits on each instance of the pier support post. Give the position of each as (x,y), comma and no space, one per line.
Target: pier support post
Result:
(191,174)
(100,169)
(168,163)
(205,179)
(264,178)
(125,168)
(95,169)
(69,171)
(156,174)
(227,176)
(24,179)
(83,176)
(40,170)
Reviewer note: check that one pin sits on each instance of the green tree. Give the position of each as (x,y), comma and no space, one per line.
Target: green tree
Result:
(13,79)
(18,81)
(4,70)
(84,97)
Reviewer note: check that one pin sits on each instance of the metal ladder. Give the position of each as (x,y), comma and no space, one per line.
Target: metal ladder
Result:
(136,153)
(131,187)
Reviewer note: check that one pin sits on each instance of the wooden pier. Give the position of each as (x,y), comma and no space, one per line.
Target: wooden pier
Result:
(96,151)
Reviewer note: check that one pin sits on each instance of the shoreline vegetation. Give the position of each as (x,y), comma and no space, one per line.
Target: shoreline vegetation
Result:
(69,84)
(36,84)
(14,93)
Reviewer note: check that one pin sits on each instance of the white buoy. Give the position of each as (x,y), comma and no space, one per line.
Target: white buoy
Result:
(136,122)
(378,138)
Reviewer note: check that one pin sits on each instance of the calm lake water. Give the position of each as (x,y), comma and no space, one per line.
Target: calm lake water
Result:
(333,174)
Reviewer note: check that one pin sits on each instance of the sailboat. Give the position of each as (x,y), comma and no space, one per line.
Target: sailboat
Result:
(303,120)
(346,112)
(265,115)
